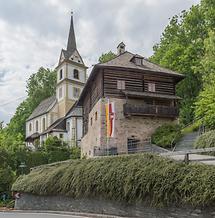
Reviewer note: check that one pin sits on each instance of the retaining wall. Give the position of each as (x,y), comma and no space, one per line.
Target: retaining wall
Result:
(100,206)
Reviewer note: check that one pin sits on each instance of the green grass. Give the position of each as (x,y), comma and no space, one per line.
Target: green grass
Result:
(135,178)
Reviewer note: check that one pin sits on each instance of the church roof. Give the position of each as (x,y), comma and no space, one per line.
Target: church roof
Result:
(71,43)
(58,126)
(44,107)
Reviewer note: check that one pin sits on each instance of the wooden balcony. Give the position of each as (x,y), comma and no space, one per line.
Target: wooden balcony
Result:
(150,110)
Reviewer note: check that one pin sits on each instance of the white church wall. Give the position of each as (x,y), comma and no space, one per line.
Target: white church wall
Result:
(59,96)
(71,93)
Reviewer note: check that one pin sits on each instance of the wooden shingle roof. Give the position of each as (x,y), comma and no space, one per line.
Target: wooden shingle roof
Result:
(125,60)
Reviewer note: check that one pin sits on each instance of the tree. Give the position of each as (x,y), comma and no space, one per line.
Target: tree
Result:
(105,57)
(181,48)
(40,86)
(205,105)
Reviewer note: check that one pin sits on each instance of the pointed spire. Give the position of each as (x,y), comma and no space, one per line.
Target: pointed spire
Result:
(71,44)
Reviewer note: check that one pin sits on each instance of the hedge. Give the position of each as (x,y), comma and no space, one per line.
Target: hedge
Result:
(132,179)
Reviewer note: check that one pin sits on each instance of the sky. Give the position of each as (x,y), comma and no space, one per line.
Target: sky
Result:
(33,32)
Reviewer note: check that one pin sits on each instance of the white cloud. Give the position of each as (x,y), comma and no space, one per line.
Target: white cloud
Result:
(33,33)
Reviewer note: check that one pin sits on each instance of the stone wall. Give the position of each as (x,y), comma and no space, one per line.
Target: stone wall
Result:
(100,206)
(138,127)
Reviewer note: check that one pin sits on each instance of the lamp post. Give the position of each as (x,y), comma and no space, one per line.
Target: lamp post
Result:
(22,166)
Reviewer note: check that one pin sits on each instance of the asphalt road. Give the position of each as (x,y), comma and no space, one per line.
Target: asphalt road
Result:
(36,215)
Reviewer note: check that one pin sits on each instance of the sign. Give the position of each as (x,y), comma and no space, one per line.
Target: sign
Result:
(110,119)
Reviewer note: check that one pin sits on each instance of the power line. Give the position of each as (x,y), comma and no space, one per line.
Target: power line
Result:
(9,102)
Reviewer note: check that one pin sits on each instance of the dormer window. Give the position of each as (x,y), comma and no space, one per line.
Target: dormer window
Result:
(76,74)
(138,61)
(61,74)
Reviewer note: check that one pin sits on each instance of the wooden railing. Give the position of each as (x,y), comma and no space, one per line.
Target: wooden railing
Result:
(150,110)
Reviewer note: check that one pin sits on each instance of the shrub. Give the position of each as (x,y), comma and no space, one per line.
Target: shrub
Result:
(132,179)
(6,179)
(56,149)
(206,140)
(75,153)
(166,135)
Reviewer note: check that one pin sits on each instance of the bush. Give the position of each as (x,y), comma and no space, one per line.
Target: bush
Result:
(75,153)
(166,135)
(206,140)
(6,179)
(133,179)
(56,149)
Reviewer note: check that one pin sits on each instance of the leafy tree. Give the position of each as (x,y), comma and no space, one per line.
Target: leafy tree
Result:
(205,105)
(106,57)
(181,48)
(40,86)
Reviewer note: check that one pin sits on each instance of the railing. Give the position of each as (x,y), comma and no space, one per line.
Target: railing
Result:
(192,151)
(150,110)
(129,148)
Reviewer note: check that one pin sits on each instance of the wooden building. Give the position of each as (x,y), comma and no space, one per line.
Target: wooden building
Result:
(142,96)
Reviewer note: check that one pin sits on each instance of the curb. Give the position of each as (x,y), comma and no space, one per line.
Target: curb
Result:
(80,214)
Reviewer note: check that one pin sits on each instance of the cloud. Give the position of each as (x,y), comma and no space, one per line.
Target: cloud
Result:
(33,33)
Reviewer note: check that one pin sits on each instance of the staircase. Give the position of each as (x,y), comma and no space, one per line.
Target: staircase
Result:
(186,141)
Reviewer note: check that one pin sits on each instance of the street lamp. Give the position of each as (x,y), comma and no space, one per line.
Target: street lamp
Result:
(22,166)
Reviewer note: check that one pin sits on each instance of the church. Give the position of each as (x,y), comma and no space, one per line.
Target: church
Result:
(58,115)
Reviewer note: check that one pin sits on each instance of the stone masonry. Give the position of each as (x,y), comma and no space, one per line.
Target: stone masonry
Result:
(137,127)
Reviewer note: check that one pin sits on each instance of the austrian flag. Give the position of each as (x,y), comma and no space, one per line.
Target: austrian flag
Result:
(110,119)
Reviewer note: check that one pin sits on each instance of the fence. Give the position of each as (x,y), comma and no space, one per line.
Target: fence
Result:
(133,146)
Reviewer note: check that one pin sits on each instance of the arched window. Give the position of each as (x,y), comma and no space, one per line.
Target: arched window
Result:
(76,74)
(61,74)
(37,126)
(44,124)
(30,127)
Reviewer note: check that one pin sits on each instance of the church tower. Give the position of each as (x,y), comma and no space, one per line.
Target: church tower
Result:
(71,74)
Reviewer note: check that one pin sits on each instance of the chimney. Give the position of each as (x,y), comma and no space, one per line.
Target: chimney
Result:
(120,48)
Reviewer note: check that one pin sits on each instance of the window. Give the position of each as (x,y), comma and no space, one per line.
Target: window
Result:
(60,93)
(30,127)
(151,87)
(68,126)
(91,121)
(121,84)
(76,92)
(61,74)
(76,74)
(44,124)
(37,126)
(96,116)
(138,61)
(61,136)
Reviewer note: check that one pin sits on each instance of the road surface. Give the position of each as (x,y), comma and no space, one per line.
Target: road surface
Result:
(36,215)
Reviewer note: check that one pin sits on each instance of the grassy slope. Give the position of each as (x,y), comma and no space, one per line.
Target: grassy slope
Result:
(134,178)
